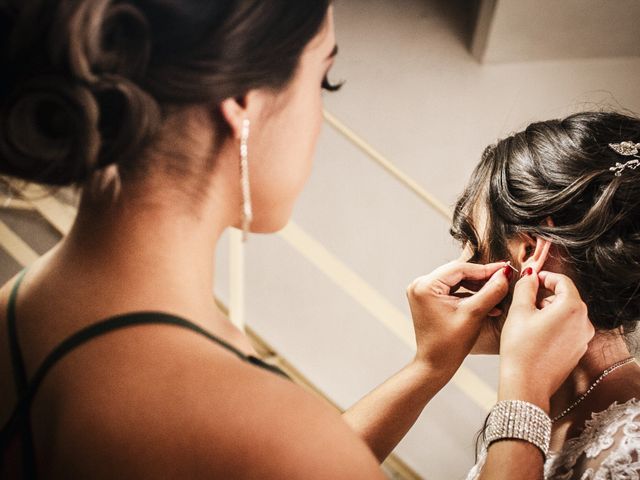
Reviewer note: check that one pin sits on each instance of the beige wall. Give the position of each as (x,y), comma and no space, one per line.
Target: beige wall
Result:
(525,30)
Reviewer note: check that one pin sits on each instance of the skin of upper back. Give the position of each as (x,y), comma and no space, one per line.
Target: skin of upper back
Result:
(165,403)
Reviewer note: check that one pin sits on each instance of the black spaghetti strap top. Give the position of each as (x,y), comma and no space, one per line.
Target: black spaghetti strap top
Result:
(16,439)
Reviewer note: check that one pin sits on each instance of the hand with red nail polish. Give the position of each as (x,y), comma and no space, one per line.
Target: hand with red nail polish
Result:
(448,321)
(508,272)
(542,342)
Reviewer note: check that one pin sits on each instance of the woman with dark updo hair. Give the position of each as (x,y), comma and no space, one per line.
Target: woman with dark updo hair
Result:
(178,119)
(564,196)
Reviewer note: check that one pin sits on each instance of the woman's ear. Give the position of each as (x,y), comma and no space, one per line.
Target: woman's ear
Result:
(251,106)
(234,112)
(533,252)
(537,252)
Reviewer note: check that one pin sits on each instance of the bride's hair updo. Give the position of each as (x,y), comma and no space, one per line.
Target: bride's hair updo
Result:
(87,83)
(560,169)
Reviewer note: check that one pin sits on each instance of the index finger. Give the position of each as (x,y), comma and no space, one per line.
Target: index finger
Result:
(525,293)
(455,272)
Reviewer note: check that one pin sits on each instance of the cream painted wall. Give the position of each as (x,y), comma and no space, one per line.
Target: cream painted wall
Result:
(525,30)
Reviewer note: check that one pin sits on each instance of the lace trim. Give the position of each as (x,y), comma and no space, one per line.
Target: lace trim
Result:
(617,426)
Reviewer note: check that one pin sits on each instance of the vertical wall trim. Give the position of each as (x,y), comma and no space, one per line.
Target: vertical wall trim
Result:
(482,32)
(236,279)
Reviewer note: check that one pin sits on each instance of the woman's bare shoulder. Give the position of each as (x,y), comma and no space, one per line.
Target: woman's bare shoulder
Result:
(170,403)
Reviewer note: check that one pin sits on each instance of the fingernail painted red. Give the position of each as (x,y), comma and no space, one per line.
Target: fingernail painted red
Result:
(527,271)
(508,272)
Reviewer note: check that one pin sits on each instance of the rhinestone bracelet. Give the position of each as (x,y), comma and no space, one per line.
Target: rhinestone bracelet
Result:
(521,420)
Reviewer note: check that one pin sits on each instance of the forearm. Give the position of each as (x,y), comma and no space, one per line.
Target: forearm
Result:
(509,459)
(384,416)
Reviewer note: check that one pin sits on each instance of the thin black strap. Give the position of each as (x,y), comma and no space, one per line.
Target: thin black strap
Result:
(28,390)
(82,337)
(19,371)
(21,382)
(261,363)
(115,323)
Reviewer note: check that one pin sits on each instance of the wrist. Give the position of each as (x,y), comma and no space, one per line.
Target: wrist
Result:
(517,419)
(519,384)
(431,373)
(521,388)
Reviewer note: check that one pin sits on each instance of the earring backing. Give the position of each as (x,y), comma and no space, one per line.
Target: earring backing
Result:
(514,268)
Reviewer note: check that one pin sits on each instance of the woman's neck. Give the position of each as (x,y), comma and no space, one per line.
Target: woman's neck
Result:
(604,350)
(160,251)
(620,385)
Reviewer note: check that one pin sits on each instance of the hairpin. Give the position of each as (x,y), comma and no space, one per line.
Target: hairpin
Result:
(628,149)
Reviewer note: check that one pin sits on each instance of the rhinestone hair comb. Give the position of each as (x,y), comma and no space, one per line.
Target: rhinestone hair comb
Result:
(627,149)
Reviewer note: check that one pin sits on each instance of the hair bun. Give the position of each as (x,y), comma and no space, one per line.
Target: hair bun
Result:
(114,68)
(60,128)
(49,132)
(6,28)
(129,119)
(103,37)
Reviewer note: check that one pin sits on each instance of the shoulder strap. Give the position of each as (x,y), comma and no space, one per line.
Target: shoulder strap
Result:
(17,361)
(116,323)
(27,390)
(267,366)
(21,382)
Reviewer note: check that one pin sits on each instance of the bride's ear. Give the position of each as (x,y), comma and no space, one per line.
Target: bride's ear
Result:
(534,251)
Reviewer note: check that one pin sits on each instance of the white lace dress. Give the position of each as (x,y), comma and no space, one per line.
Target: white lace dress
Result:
(607,449)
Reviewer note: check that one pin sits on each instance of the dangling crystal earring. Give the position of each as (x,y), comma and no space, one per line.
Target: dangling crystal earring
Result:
(247,211)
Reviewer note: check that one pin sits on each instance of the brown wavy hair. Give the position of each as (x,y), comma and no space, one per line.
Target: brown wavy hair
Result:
(560,169)
(88,83)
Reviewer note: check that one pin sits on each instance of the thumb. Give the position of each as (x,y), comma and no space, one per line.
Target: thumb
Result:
(484,300)
(525,293)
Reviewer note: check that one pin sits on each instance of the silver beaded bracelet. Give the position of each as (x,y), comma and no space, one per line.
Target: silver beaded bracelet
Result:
(520,420)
